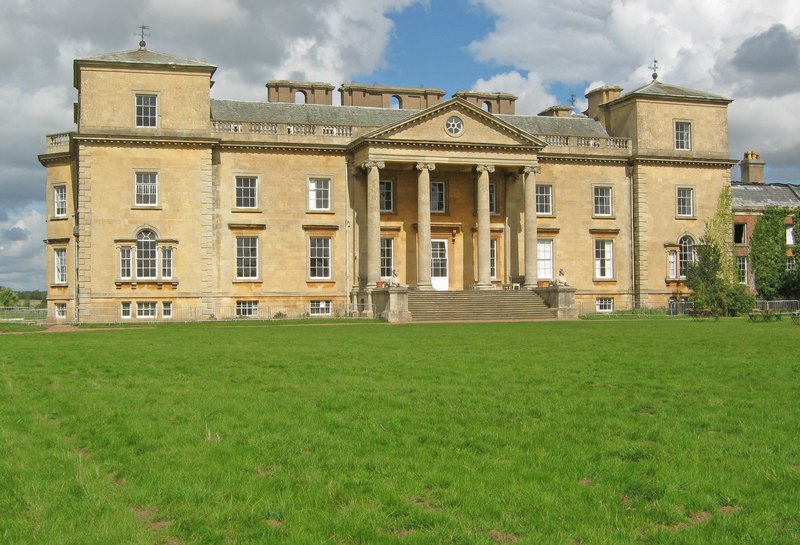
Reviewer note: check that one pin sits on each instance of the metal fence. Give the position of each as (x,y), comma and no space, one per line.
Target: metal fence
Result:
(639,310)
(23,314)
(778,306)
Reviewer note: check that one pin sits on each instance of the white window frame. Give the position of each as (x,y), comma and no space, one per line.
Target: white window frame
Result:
(60,310)
(167,263)
(672,264)
(544,259)
(245,195)
(146,188)
(59,265)
(320,257)
(441,204)
(742,267)
(247,257)
(603,259)
(146,263)
(604,304)
(247,309)
(125,262)
(790,235)
(146,310)
(789,262)
(686,254)
(743,226)
(601,201)
(544,200)
(493,258)
(386,196)
(684,202)
(166,309)
(493,198)
(60,201)
(319,194)
(321,307)
(125,310)
(146,110)
(683,135)
(387,257)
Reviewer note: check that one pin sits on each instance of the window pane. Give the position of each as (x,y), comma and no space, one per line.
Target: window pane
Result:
(61,266)
(60,201)
(685,201)
(245,192)
(544,199)
(146,113)
(493,258)
(386,188)
(686,256)
(387,257)
(125,262)
(603,259)
(683,135)
(544,259)
(319,194)
(246,257)
(146,255)
(166,262)
(320,308)
(146,188)
(246,309)
(438,197)
(492,198)
(602,201)
(319,257)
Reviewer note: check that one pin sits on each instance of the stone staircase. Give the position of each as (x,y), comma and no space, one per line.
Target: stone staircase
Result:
(475,305)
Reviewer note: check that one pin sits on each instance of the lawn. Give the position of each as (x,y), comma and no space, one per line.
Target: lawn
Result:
(532,433)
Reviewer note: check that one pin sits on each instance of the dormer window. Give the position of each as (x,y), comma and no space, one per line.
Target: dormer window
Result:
(146,110)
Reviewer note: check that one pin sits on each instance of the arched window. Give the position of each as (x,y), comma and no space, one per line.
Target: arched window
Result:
(396,103)
(686,254)
(146,254)
(300,97)
(486,106)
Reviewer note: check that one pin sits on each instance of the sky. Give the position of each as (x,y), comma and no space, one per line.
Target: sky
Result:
(543,52)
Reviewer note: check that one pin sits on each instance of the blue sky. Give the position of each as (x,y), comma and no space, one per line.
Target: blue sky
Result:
(539,50)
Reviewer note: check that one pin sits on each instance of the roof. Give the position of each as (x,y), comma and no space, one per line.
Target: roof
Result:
(757,197)
(659,89)
(362,116)
(145,56)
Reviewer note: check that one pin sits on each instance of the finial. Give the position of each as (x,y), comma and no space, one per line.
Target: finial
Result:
(143,32)
(654,68)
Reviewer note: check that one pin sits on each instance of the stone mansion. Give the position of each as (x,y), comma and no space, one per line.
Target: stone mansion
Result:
(165,203)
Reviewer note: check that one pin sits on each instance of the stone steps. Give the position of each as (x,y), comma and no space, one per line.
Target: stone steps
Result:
(452,306)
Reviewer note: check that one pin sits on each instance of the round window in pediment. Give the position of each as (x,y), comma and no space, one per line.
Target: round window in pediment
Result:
(454,126)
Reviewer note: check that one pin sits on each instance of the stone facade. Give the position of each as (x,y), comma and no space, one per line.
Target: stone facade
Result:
(167,203)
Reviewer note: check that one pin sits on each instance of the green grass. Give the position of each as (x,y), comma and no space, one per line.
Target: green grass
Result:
(12,327)
(606,432)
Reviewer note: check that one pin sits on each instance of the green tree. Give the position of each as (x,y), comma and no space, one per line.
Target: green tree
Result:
(768,251)
(8,297)
(710,289)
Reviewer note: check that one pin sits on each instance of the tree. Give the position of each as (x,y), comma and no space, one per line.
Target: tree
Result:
(8,298)
(768,251)
(711,277)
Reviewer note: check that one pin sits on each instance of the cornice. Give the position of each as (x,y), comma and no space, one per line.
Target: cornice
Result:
(522,148)
(683,161)
(149,140)
(546,158)
(46,158)
(280,146)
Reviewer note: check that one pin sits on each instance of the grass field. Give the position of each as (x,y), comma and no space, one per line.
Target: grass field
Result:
(576,433)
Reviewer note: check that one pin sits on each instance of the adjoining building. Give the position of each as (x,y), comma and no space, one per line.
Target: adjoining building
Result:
(167,203)
(750,198)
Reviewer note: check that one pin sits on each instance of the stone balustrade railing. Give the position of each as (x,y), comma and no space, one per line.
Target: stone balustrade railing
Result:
(292,129)
(557,140)
(57,140)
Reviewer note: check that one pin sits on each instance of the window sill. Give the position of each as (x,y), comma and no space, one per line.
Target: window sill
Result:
(248,281)
(59,285)
(604,280)
(543,215)
(328,212)
(246,210)
(58,218)
(320,281)
(598,217)
(677,217)
(146,207)
(157,282)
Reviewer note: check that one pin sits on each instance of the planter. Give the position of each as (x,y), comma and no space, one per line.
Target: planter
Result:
(543,283)
(380,284)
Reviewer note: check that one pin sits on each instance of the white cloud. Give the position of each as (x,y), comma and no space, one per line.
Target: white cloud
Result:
(532,95)
(21,249)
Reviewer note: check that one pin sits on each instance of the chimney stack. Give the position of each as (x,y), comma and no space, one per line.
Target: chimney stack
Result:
(752,168)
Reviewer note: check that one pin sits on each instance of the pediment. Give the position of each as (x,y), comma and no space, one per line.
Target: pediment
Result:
(454,123)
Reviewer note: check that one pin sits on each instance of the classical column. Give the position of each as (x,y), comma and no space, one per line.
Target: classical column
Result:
(484,234)
(424,225)
(373,222)
(531,235)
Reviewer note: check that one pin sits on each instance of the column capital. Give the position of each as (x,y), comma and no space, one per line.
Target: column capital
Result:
(484,168)
(532,170)
(368,165)
(426,166)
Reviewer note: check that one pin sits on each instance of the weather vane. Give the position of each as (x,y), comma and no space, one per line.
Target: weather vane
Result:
(142,32)
(572,99)
(654,68)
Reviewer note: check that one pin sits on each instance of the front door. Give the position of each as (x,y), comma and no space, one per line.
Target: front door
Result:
(439,279)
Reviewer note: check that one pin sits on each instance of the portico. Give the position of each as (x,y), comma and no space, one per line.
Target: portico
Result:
(441,193)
